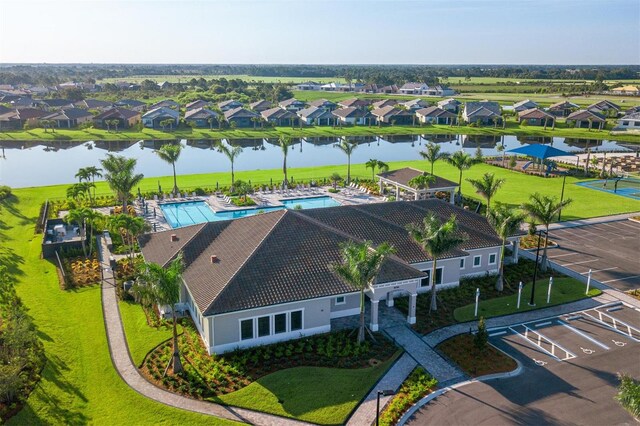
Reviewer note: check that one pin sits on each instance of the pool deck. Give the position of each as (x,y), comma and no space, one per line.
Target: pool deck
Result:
(346,196)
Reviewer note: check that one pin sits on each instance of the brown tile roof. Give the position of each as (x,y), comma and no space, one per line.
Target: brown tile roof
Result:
(350,112)
(403,176)
(353,102)
(584,114)
(534,113)
(434,111)
(390,111)
(117,113)
(277,113)
(384,103)
(199,113)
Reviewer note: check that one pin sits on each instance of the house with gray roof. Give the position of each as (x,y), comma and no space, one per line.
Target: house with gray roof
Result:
(392,115)
(413,88)
(451,105)
(483,112)
(629,122)
(353,116)
(606,108)
(562,109)
(15,119)
(201,117)
(324,104)
(260,105)
(225,106)
(317,116)
(132,104)
(95,104)
(524,105)
(587,119)
(242,117)
(269,277)
(435,115)
(415,104)
(69,117)
(355,103)
(55,104)
(293,105)
(439,91)
(126,118)
(280,117)
(308,85)
(154,117)
(197,104)
(536,117)
(383,103)
(166,103)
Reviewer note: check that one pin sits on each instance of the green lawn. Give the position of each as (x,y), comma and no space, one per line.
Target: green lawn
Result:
(563,290)
(79,384)
(330,393)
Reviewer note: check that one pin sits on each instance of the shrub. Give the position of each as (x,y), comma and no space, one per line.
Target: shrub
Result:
(629,394)
(513,162)
(481,337)
(418,384)
(5,192)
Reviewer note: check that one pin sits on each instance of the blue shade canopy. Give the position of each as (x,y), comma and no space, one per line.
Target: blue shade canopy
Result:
(540,151)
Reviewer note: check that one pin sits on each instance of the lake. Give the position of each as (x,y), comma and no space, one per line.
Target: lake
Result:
(24,164)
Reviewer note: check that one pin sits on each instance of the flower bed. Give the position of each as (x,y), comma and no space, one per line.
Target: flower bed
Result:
(207,376)
(81,272)
(475,362)
(529,242)
(415,387)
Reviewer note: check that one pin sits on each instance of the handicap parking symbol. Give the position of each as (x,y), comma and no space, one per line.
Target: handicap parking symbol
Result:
(618,343)
(539,362)
(587,351)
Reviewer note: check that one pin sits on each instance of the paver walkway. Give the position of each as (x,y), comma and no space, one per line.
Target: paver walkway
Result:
(127,370)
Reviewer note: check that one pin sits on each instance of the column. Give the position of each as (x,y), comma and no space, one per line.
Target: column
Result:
(514,250)
(390,299)
(397,192)
(373,325)
(452,198)
(411,319)
(416,195)
(380,185)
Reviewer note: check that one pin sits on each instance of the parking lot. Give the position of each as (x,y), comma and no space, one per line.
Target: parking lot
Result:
(611,250)
(569,373)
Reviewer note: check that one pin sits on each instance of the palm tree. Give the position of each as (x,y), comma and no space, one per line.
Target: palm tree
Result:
(285,143)
(79,217)
(461,161)
(231,152)
(243,188)
(130,228)
(161,285)
(335,178)
(93,219)
(171,154)
(359,267)
(119,174)
(436,238)
(211,120)
(348,148)
(432,154)
(543,209)
(80,190)
(92,172)
(373,164)
(506,221)
(422,181)
(487,186)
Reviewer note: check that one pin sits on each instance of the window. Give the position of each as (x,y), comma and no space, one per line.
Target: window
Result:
(492,259)
(340,300)
(625,123)
(636,123)
(426,281)
(264,326)
(280,323)
(438,276)
(246,329)
(462,263)
(477,261)
(296,320)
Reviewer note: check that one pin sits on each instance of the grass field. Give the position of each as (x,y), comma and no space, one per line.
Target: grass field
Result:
(563,290)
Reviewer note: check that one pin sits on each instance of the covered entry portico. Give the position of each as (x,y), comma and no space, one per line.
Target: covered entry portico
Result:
(386,291)
(399,181)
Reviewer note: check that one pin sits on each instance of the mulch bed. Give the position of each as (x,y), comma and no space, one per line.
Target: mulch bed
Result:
(475,363)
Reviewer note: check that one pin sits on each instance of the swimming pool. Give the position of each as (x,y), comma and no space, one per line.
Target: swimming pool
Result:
(628,187)
(194,212)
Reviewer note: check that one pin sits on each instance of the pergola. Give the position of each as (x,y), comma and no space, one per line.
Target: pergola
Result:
(399,179)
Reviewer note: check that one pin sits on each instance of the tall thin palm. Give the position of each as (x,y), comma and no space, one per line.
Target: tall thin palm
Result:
(436,238)
(285,143)
(79,217)
(348,148)
(119,174)
(374,164)
(543,209)
(461,161)
(161,285)
(487,186)
(93,172)
(130,228)
(359,267)
(171,154)
(432,154)
(506,221)
(231,152)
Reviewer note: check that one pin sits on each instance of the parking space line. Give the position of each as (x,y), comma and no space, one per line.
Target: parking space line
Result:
(540,336)
(620,279)
(578,263)
(598,270)
(498,333)
(542,324)
(562,255)
(630,329)
(580,333)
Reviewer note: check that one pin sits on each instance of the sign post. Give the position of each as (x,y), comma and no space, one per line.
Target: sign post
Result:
(477,300)
(519,293)
(549,290)
(588,281)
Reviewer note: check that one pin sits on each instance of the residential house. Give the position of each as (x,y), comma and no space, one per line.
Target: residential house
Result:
(201,117)
(69,117)
(451,105)
(4,109)
(355,103)
(17,118)
(55,104)
(229,105)
(126,118)
(391,115)
(562,109)
(94,104)
(483,112)
(132,104)
(383,103)
(331,87)
(308,85)
(280,117)
(324,104)
(536,117)
(352,115)
(524,105)
(376,88)
(627,90)
(197,104)
(24,102)
(415,104)
(435,115)
(586,119)
(165,103)
(632,110)
(260,105)
(164,85)
(240,295)
(241,117)
(413,88)
(317,116)
(439,91)
(628,122)
(154,117)
(606,108)
(292,105)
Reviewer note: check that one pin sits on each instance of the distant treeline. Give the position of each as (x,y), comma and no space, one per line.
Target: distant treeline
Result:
(380,74)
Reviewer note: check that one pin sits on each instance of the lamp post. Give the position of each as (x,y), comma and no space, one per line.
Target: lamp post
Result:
(383,393)
(535,270)
(564,179)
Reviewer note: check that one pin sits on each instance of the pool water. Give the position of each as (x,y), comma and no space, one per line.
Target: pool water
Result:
(194,212)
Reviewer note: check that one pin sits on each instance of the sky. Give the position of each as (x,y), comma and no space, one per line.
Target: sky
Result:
(321,31)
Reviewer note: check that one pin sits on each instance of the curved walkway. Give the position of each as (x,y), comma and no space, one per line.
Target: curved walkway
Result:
(127,370)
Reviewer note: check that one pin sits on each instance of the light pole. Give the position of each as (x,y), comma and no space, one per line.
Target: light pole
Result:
(383,393)
(564,179)
(535,270)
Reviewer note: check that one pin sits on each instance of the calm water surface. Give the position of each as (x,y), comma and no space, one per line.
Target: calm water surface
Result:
(25,164)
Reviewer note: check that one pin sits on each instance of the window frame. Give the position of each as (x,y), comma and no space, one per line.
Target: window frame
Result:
(251,329)
(338,302)
(495,259)
(479,257)
(463,263)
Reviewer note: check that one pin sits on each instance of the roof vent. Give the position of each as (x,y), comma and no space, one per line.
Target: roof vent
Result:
(214,258)
(174,238)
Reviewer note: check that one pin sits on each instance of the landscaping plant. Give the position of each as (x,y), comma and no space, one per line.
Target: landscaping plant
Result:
(629,394)
(415,387)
